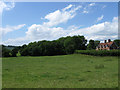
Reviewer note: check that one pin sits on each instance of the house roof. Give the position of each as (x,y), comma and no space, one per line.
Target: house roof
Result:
(107,43)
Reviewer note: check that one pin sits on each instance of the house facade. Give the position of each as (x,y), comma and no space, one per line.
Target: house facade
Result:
(110,45)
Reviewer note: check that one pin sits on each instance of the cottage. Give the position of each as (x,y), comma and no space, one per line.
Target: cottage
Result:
(110,45)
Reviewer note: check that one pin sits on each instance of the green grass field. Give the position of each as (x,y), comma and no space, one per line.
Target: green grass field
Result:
(66,71)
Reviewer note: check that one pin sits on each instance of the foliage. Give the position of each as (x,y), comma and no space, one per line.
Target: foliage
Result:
(15,51)
(74,43)
(92,44)
(62,46)
(99,52)
(6,52)
(18,54)
(10,47)
(96,42)
(0,50)
(117,41)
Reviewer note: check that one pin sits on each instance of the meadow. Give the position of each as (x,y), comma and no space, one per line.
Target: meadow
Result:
(65,71)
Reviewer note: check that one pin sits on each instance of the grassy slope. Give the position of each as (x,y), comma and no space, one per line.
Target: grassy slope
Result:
(67,71)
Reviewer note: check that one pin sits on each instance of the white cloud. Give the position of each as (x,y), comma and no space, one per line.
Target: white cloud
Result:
(61,16)
(87,8)
(74,27)
(100,18)
(85,11)
(10,28)
(99,31)
(17,41)
(58,17)
(92,4)
(68,7)
(6,6)
(39,32)
(50,31)
(2,6)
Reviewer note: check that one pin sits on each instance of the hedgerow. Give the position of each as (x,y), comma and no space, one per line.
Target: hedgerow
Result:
(99,52)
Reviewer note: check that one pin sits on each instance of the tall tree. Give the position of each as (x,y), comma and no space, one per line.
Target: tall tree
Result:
(15,51)
(96,42)
(64,45)
(6,52)
(91,45)
(74,43)
(117,41)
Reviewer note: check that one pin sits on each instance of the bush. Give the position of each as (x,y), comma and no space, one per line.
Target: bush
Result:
(6,52)
(61,46)
(99,52)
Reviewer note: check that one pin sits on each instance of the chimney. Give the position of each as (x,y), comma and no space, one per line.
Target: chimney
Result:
(109,40)
(105,41)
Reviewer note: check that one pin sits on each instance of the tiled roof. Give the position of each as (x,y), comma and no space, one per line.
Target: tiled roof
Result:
(108,43)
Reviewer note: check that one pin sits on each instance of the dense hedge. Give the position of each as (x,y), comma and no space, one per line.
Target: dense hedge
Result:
(99,52)
(61,46)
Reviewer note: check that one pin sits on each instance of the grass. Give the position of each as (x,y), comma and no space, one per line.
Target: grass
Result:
(66,71)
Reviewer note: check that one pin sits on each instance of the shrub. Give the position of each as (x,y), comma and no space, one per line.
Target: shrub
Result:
(99,52)
(6,52)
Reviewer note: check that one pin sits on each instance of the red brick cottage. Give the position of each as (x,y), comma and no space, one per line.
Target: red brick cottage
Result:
(107,45)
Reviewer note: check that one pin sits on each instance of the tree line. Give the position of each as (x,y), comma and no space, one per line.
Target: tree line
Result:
(61,46)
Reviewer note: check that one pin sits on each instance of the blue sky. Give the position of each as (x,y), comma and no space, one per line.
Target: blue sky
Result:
(25,22)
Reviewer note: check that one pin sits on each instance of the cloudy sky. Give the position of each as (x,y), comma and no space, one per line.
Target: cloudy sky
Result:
(25,22)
